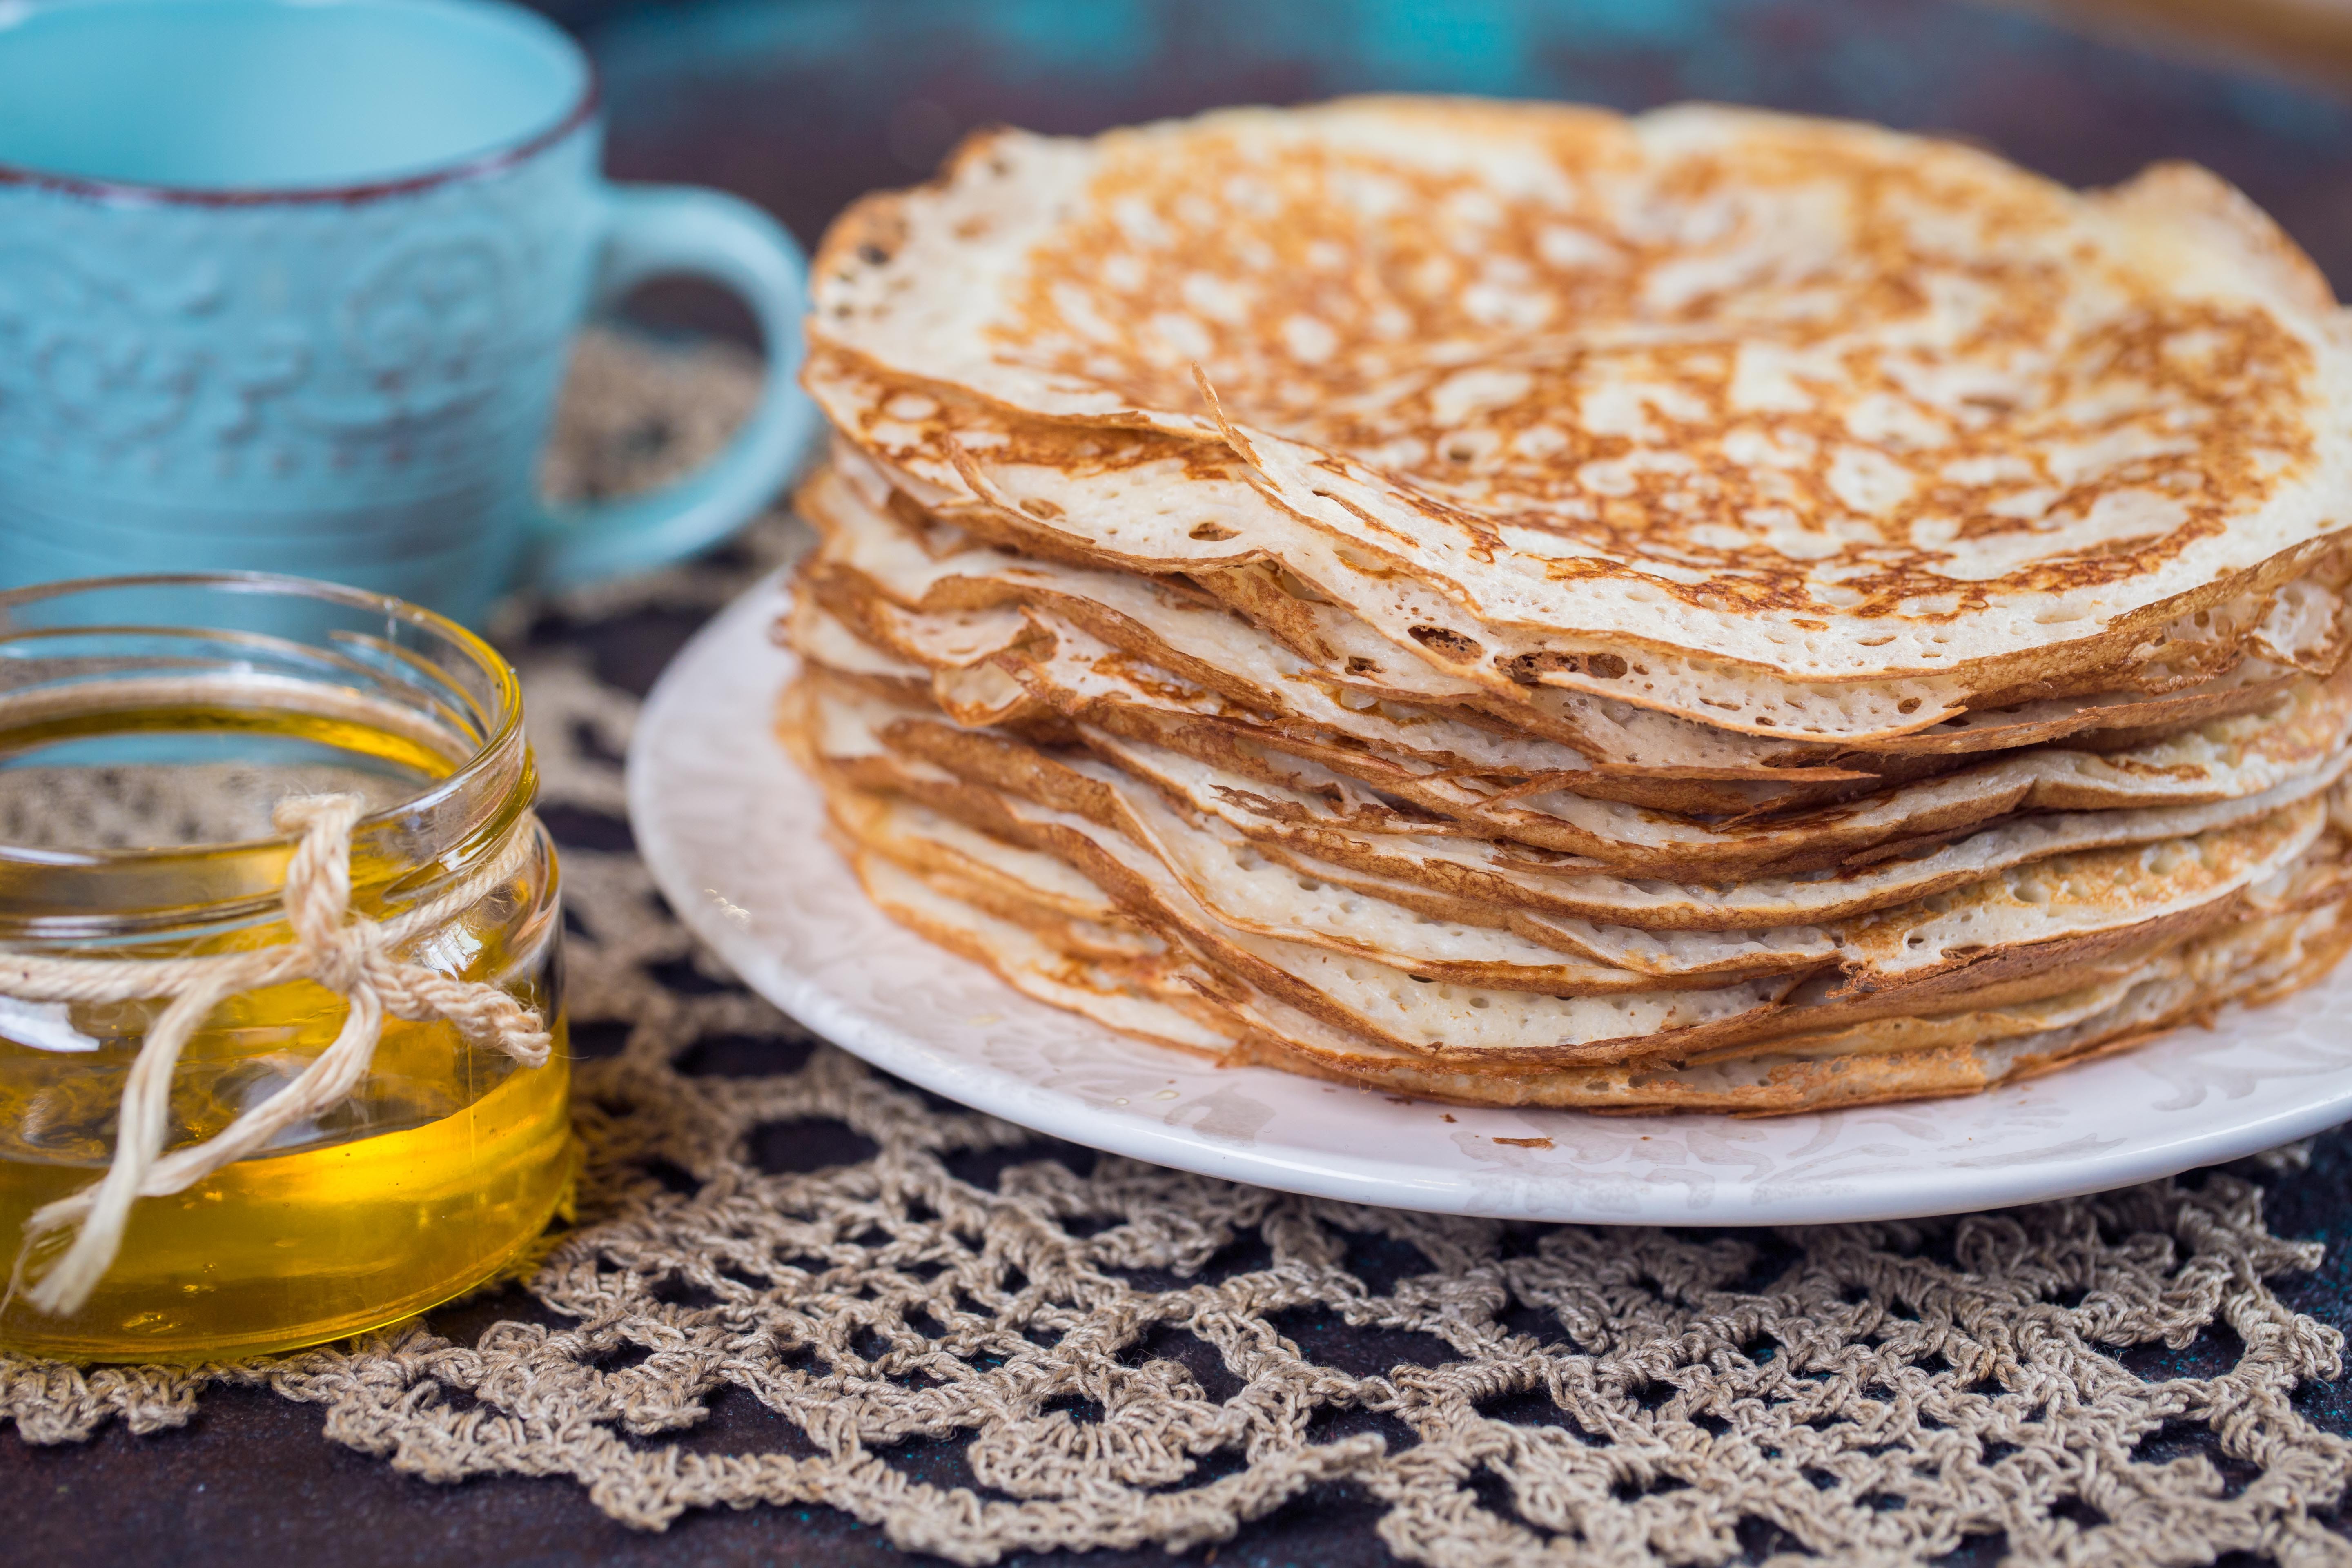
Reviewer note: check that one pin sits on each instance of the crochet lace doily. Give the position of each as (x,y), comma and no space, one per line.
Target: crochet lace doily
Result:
(1115,1354)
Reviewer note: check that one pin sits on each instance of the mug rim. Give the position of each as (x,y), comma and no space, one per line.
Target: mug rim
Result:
(521,150)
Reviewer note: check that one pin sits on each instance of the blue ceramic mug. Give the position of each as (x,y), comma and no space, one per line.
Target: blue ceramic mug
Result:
(287,285)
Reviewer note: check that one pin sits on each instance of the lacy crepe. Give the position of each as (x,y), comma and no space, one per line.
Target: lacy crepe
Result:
(1516,605)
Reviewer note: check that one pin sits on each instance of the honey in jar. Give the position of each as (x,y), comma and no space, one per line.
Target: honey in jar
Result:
(148,730)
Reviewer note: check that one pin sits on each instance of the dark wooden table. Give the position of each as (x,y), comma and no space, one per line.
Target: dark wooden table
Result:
(801,104)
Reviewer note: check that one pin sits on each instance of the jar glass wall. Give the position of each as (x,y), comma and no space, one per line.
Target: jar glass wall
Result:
(148,728)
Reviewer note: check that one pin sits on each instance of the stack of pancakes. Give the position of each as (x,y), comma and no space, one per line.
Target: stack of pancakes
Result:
(1520,605)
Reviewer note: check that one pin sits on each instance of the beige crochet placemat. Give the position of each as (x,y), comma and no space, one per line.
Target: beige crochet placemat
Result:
(1133,1356)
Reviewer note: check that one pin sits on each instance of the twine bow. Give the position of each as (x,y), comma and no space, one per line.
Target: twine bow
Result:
(346,953)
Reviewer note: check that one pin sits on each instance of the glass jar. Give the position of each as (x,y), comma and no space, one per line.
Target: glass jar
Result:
(148,728)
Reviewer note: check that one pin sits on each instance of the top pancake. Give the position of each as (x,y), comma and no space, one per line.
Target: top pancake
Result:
(1813,399)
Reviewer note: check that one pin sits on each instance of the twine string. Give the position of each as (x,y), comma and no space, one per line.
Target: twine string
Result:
(347,954)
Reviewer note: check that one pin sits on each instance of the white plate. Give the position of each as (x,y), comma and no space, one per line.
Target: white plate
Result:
(733,834)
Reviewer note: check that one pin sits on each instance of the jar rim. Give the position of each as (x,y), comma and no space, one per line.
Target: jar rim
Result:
(501,724)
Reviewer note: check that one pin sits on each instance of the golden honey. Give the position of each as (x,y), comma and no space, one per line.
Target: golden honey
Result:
(134,823)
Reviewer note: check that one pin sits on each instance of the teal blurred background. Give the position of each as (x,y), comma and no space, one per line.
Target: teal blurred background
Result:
(801,104)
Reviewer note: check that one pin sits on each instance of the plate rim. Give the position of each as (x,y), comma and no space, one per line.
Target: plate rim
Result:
(1323,1173)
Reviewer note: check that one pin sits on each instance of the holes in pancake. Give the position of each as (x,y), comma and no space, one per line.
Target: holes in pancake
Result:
(1529,668)
(1213,533)
(1359,665)
(1453,645)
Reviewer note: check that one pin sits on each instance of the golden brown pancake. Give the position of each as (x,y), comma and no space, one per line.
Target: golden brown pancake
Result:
(1519,604)
(1808,399)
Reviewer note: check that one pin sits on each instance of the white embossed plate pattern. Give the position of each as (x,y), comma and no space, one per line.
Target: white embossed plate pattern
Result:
(734,837)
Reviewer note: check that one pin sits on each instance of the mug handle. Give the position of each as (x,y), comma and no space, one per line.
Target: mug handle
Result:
(658,230)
